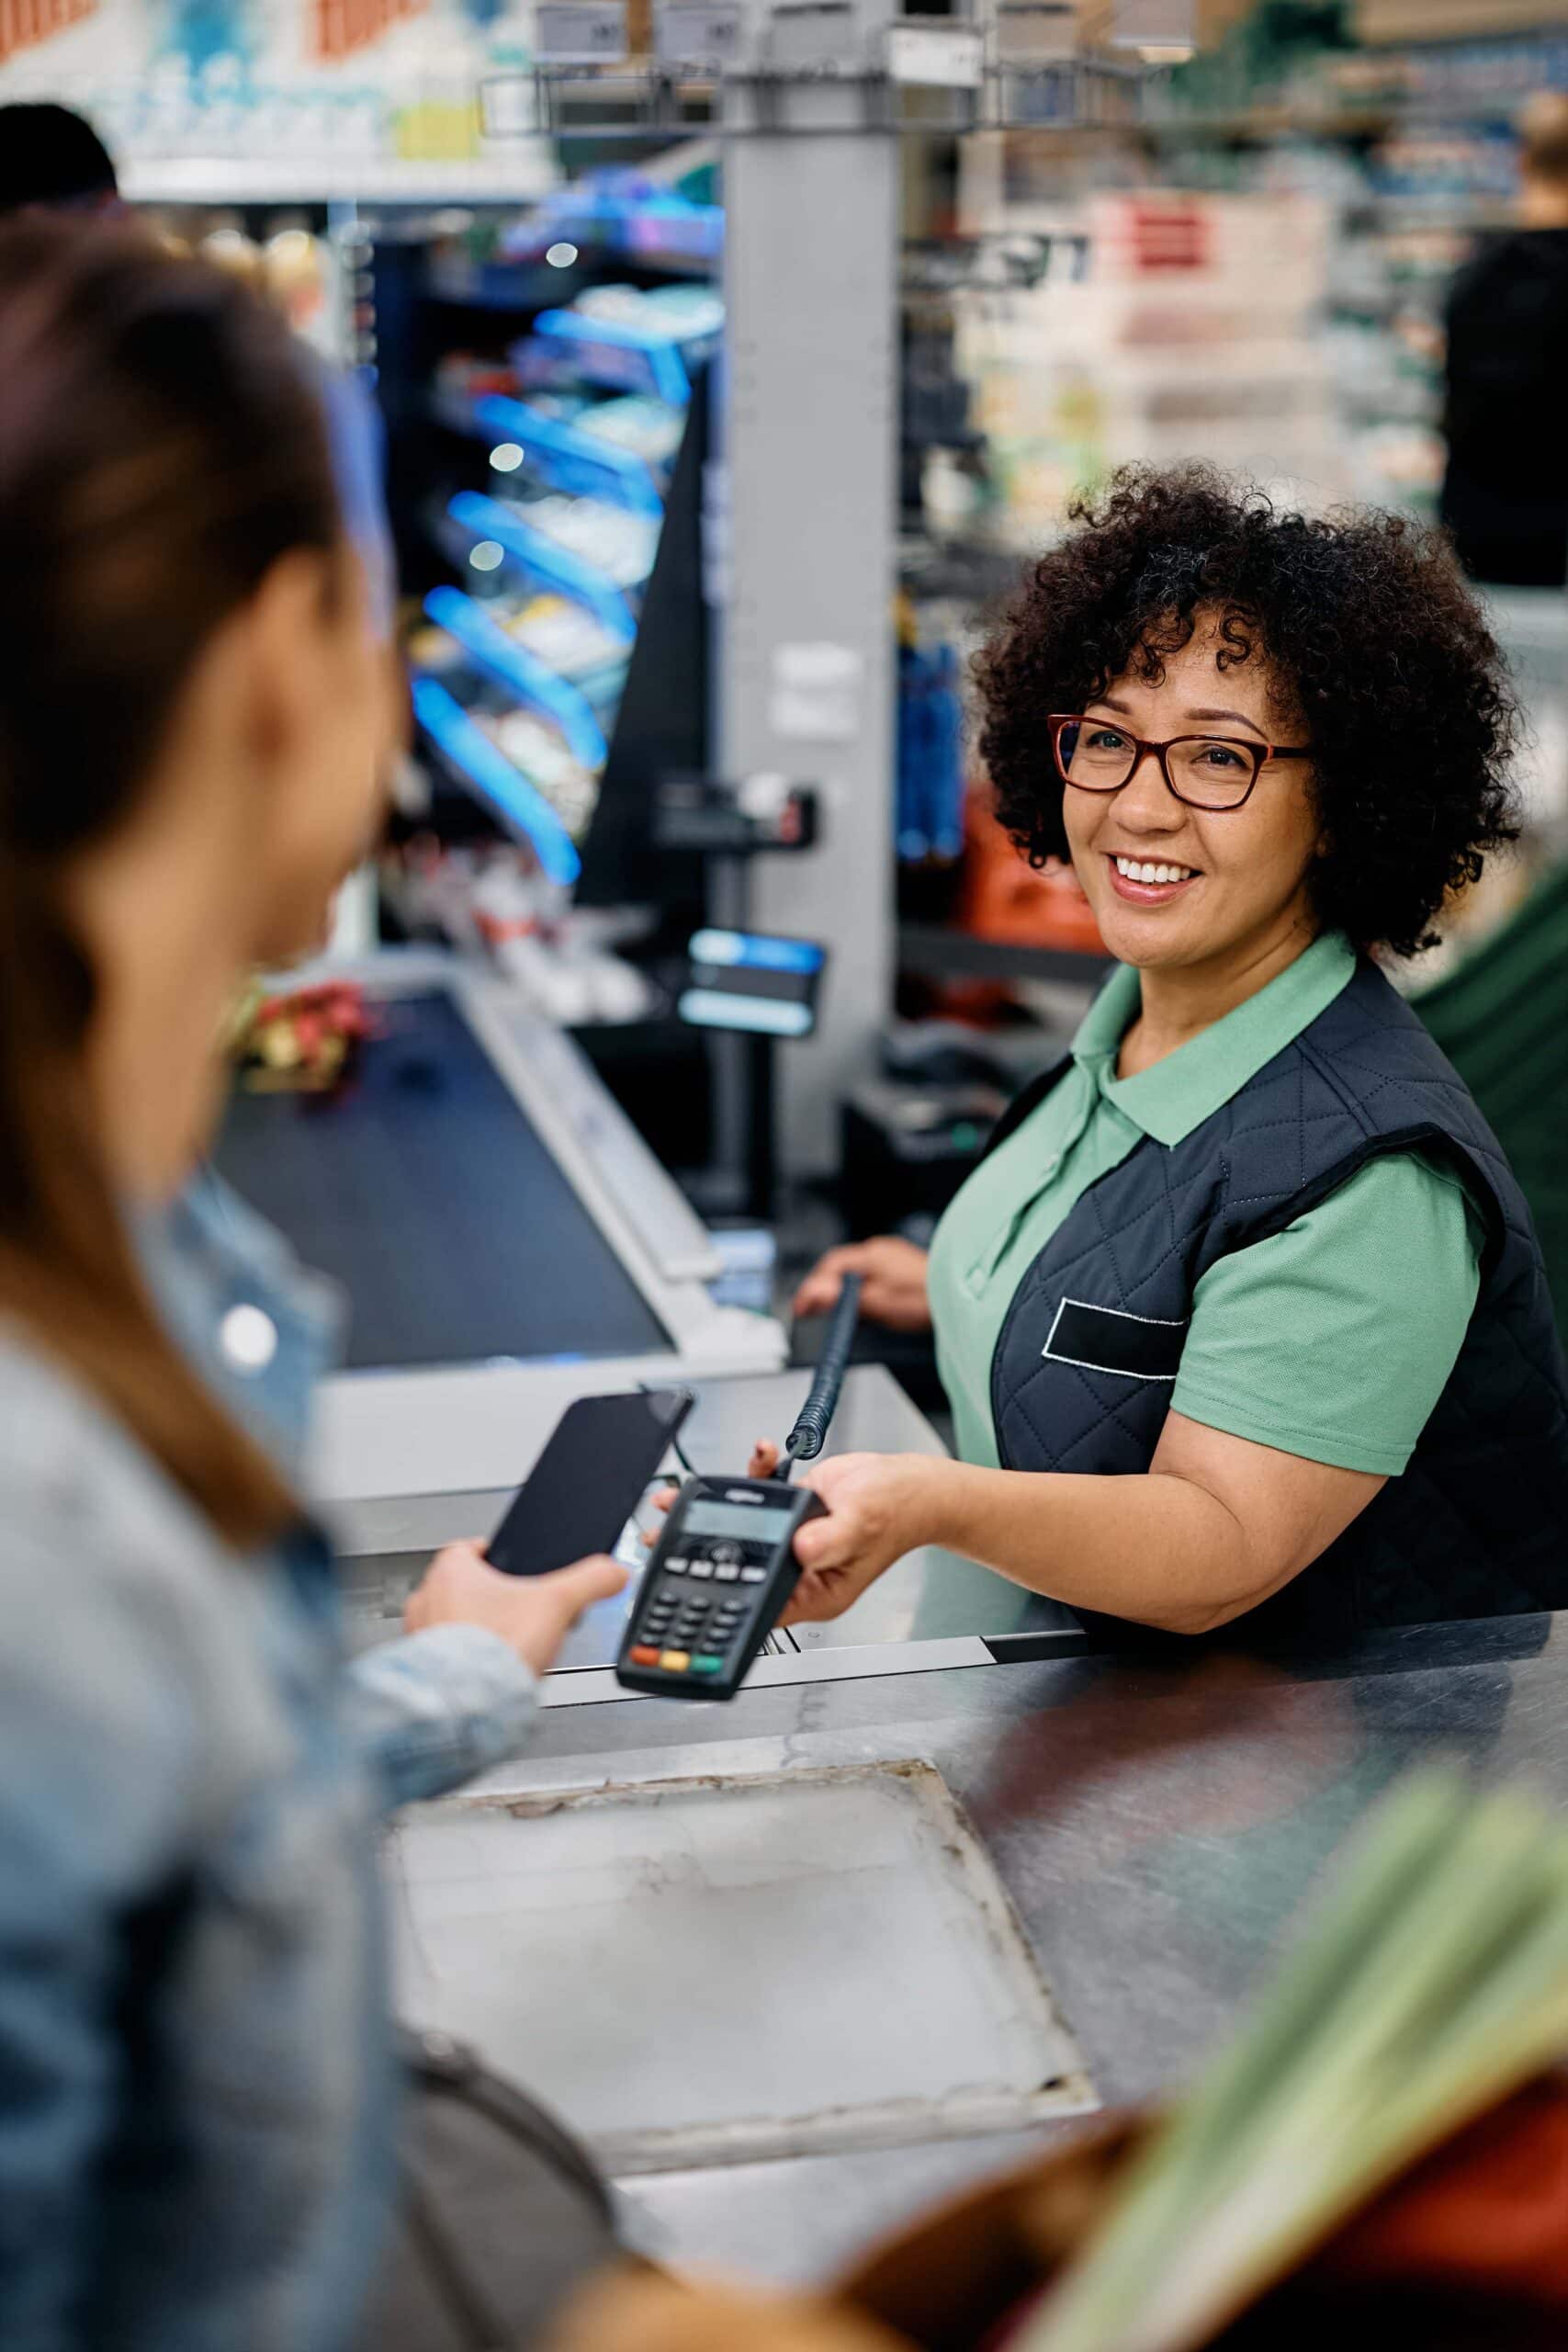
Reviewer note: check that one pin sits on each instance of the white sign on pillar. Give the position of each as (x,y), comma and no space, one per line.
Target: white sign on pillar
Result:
(1155,28)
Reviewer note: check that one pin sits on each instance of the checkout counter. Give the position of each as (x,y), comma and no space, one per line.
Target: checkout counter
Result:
(507,1239)
(939,1879)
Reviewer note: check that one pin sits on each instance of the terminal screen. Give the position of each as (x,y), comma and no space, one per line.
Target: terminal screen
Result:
(736,1519)
(751,980)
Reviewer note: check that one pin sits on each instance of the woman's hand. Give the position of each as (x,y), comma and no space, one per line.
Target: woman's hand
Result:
(893,1279)
(879,1507)
(534,1614)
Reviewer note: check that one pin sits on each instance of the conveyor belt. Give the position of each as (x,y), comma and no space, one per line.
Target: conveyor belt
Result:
(424,1189)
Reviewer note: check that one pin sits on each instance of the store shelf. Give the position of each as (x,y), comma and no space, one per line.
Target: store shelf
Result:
(551,567)
(521,173)
(963,956)
(515,291)
(568,460)
(601,351)
(535,687)
(554,563)
(456,410)
(660,232)
(519,805)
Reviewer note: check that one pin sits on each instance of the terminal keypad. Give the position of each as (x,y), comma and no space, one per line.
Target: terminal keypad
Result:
(698,1602)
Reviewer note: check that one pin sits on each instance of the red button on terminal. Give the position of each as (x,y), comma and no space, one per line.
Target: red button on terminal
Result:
(645,1657)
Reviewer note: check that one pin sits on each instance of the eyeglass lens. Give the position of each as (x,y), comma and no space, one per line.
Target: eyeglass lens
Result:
(1211,771)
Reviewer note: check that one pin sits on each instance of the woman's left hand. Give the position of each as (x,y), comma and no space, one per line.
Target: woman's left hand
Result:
(878,1508)
(534,1614)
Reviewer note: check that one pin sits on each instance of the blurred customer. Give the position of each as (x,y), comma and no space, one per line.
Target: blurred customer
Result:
(198,2088)
(53,160)
(50,156)
(1505,494)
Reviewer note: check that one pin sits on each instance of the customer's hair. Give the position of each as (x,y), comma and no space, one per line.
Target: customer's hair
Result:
(1543,138)
(1376,649)
(50,156)
(159,452)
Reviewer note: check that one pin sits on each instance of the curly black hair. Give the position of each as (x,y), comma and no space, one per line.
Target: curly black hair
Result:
(1375,646)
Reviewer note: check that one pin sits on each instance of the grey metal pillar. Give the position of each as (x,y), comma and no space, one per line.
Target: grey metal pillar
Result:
(809,442)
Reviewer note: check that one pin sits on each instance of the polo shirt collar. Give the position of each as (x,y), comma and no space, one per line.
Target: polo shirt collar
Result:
(1189,1085)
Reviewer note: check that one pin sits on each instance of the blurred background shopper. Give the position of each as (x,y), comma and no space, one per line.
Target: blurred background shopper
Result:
(53,160)
(50,156)
(1506,493)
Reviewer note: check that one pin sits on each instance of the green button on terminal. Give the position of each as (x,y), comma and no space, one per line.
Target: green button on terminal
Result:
(703,1664)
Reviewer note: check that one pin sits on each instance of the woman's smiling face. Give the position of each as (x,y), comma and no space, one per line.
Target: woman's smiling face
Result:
(1226,882)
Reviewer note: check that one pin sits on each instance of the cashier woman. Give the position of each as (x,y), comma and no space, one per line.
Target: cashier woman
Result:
(1244,1315)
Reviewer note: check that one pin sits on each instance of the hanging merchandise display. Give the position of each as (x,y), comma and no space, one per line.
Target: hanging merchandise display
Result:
(24,24)
(548,673)
(283,96)
(929,817)
(1165,29)
(1176,324)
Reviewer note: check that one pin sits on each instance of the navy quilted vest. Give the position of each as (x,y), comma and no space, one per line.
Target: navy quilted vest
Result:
(1081,1380)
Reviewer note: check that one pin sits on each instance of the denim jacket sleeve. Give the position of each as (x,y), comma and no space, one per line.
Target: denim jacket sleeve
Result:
(94,1812)
(433,1708)
(428,1711)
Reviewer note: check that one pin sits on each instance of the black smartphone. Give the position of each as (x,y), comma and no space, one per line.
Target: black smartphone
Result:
(589,1480)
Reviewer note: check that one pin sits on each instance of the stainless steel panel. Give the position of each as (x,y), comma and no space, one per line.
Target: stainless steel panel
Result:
(781,1962)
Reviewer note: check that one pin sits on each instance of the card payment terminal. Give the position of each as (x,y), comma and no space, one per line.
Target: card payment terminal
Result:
(725,1566)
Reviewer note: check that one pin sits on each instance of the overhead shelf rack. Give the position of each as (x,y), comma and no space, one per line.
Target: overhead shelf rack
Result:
(578,463)
(603,351)
(534,685)
(508,173)
(659,230)
(519,805)
(549,566)
(571,661)
(895,87)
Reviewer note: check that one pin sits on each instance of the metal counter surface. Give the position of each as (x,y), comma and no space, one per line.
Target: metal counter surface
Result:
(1155,1825)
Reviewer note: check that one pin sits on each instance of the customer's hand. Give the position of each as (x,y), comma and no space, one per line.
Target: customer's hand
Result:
(893,1283)
(879,1507)
(534,1613)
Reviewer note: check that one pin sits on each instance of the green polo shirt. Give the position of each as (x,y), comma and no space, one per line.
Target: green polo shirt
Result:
(1375,1285)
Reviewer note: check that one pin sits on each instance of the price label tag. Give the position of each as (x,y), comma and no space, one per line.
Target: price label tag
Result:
(581,32)
(1166,28)
(936,55)
(1036,32)
(508,105)
(814,37)
(700,33)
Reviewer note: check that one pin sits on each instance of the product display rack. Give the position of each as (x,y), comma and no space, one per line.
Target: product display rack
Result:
(553,475)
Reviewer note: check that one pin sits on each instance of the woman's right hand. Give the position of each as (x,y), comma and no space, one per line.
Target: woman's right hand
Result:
(534,1614)
(893,1279)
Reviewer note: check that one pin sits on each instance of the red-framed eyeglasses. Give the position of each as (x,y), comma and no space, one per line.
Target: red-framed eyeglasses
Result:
(1216,773)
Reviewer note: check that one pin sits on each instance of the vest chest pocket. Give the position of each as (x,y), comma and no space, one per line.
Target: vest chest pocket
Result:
(1109,1339)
